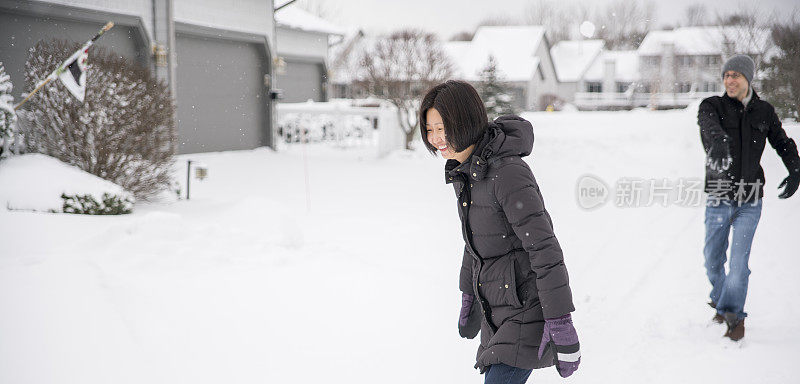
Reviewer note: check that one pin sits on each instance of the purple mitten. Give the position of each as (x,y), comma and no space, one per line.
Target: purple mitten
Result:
(561,336)
(466,307)
(469,322)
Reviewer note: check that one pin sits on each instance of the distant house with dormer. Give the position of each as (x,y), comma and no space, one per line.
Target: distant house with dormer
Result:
(670,69)
(572,59)
(684,64)
(522,54)
(611,82)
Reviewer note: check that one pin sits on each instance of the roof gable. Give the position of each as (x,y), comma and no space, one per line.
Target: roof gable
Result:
(513,47)
(572,58)
(705,40)
(296,18)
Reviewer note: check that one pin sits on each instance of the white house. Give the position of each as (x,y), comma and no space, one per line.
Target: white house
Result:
(670,69)
(522,54)
(684,64)
(611,82)
(593,78)
(572,58)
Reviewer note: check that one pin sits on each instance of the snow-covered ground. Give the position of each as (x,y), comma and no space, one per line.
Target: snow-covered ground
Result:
(255,281)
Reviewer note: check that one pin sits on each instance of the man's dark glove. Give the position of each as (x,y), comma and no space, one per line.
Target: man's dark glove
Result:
(469,320)
(719,157)
(791,182)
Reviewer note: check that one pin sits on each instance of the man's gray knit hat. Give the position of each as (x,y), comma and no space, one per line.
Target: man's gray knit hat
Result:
(742,64)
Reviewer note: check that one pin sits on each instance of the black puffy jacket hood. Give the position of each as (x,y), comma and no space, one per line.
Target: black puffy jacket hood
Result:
(507,135)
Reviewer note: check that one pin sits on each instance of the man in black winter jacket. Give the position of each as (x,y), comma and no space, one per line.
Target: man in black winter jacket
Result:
(734,129)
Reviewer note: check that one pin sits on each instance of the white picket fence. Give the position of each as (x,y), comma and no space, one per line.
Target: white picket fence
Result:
(341,124)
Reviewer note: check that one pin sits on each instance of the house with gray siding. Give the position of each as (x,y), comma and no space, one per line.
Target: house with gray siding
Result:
(216,56)
(303,42)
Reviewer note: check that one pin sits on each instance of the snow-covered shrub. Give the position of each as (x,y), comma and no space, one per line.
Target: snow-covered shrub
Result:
(7,116)
(122,132)
(87,205)
(40,183)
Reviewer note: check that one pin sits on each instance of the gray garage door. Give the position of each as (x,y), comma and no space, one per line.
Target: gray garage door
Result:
(222,101)
(19,32)
(302,81)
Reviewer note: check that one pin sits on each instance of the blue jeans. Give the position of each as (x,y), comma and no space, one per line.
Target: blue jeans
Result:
(729,291)
(506,374)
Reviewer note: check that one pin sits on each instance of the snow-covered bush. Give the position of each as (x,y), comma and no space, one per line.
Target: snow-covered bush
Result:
(7,116)
(87,205)
(40,183)
(122,132)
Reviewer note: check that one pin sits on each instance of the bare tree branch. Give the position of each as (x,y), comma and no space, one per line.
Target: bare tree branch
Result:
(399,68)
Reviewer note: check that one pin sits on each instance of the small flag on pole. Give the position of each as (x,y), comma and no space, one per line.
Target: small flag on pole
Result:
(74,74)
(72,71)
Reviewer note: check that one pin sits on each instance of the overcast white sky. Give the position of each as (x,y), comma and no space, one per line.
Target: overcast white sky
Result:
(447,17)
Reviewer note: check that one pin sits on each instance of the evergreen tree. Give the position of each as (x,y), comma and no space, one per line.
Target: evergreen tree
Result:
(7,115)
(782,82)
(494,94)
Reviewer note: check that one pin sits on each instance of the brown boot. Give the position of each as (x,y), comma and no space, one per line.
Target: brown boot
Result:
(718,318)
(735,327)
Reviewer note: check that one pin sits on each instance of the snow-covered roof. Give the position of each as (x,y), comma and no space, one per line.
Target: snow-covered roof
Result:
(296,18)
(573,57)
(705,40)
(626,66)
(513,47)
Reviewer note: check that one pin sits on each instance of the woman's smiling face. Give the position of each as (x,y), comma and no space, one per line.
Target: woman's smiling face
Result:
(436,136)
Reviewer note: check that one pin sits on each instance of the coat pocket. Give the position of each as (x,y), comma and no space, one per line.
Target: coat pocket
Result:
(498,285)
(759,132)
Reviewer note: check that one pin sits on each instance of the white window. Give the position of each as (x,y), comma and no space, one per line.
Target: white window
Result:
(709,86)
(594,86)
(652,60)
(711,60)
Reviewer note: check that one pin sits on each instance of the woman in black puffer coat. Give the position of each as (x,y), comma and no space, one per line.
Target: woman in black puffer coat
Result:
(514,283)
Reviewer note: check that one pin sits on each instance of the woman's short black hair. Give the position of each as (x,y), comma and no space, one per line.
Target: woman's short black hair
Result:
(462,111)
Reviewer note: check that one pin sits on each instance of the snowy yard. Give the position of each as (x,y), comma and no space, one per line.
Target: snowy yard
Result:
(246,284)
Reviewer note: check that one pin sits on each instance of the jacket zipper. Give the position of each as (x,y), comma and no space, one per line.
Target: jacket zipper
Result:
(465,205)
